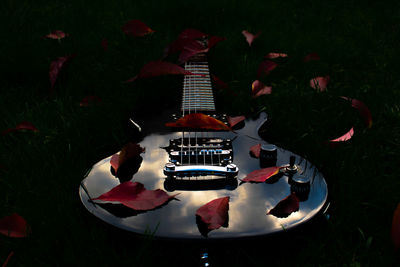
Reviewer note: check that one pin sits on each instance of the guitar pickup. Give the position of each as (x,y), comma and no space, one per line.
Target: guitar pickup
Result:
(172,170)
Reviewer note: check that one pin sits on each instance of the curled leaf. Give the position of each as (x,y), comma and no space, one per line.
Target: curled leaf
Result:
(362,108)
(14,226)
(135,196)
(235,120)
(266,67)
(275,55)
(25,125)
(136,28)
(55,68)
(320,83)
(56,35)
(310,57)
(87,100)
(255,150)
(286,206)
(250,37)
(344,137)
(261,175)
(199,121)
(395,233)
(258,89)
(157,68)
(215,213)
(128,151)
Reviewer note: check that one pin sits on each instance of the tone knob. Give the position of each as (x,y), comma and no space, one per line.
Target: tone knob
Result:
(268,155)
(300,184)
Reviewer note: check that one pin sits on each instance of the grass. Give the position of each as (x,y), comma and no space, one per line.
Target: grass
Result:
(357,42)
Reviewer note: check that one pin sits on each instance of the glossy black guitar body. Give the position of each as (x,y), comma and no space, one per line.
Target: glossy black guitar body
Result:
(249,202)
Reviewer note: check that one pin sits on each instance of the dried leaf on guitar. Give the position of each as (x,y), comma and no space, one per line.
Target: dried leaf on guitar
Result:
(128,151)
(136,28)
(255,151)
(158,68)
(135,196)
(199,121)
(362,108)
(261,175)
(286,206)
(214,214)
(395,233)
(233,121)
(25,125)
(14,226)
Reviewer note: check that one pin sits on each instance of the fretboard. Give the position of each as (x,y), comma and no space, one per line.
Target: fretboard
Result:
(197,90)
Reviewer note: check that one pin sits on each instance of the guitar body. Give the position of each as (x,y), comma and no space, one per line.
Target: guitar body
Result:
(248,205)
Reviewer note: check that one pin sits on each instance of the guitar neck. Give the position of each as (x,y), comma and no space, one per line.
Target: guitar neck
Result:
(197,89)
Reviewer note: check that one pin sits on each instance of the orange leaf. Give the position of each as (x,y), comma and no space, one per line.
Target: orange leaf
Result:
(258,89)
(136,28)
(395,233)
(362,108)
(261,175)
(13,226)
(199,121)
(250,37)
(320,83)
(275,55)
(344,137)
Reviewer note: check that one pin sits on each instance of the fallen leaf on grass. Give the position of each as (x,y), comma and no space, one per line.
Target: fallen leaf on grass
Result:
(199,121)
(266,67)
(320,83)
(261,175)
(56,35)
(275,55)
(25,125)
(345,137)
(362,108)
(8,259)
(128,151)
(258,89)
(14,226)
(136,28)
(235,120)
(286,206)
(135,196)
(90,99)
(395,233)
(55,68)
(215,213)
(310,57)
(158,68)
(250,37)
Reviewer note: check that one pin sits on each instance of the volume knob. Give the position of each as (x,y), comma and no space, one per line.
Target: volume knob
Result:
(300,184)
(268,155)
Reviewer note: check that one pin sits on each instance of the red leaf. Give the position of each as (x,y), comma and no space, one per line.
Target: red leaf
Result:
(25,125)
(310,57)
(255,150)
(235,120)
(261,175)
(136,28)
(218,83)
(320,83)
(250,37)
(8,259)
(286,206)
(258,89)
(199,121)
(56,35)
(55,68)
(135,196)
(362,108)
(87,100)
(157,68)
(128,151)
(191,34)
(266,67)
(13,226)
(190,49)
(344,137)
(214,213)
(275,55)
(395,233)
(104,44)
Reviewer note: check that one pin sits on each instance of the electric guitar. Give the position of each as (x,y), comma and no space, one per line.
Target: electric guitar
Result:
(203,165)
